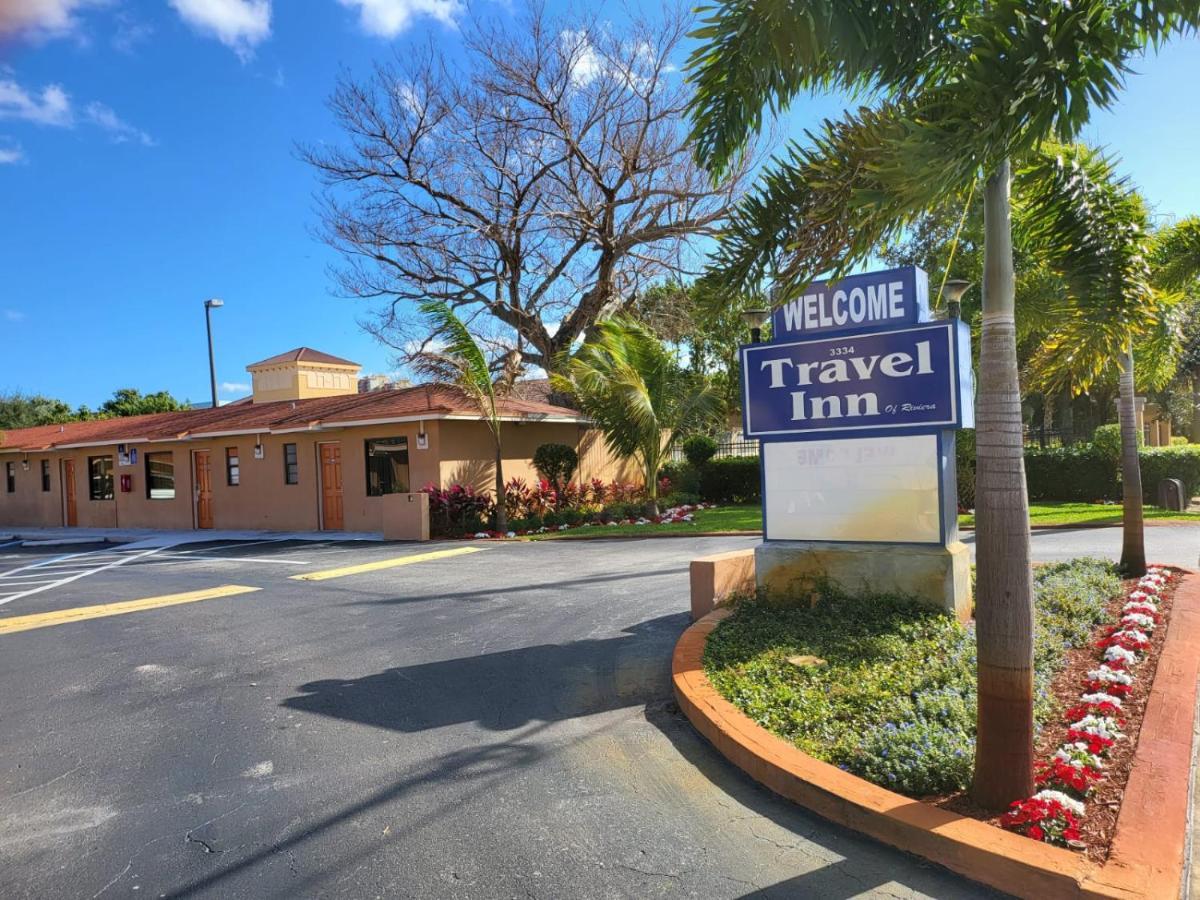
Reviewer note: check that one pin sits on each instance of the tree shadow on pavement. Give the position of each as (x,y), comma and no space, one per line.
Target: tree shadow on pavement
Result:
(508,688)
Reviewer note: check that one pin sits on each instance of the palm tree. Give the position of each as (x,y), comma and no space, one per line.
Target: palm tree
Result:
(1109,299)
(455,358)
(630,385)
(960,89)
(1176,264)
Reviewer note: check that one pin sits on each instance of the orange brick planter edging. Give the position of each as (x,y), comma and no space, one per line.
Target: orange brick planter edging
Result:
(1147,855)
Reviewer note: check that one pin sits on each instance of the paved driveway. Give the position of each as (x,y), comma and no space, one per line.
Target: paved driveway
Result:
(489,724)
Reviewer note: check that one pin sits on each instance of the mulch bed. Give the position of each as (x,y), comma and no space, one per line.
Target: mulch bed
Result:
(1104,803)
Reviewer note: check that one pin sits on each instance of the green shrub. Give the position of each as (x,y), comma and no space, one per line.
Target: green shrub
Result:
(1078,472)
(556,463)
(733,480)
(679,498)
(552,519)
(684,478)
(892,698)
(699,449)
(1107,440)
(1178,440)
(964,450)
(1182,462)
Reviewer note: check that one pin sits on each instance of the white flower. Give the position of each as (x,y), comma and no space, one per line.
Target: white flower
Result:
(612,523)
(1138,620)
(563,527)
(1139,597)
(1141,606)
(1115,654)
(1132,633)
(1077,755)
(510,534)
(1101,726)
(481,534)
(1111,676)
(1102,698)
(1059,797)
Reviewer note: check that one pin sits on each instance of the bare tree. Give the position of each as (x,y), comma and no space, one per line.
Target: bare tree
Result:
(533,187)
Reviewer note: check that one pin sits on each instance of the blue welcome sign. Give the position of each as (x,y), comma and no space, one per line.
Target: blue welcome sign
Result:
(915,379)
(886,299)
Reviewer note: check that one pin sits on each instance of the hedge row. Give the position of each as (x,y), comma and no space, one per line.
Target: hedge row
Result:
(1083,473)
(1079,473)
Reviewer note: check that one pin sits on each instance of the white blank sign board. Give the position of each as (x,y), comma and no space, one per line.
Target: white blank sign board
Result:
(853,489)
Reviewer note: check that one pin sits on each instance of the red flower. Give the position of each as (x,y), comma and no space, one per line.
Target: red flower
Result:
(1036,833)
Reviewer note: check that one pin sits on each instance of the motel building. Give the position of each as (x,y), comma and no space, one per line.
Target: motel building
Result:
(305,452)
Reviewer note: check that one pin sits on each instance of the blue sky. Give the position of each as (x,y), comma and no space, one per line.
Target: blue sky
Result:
(147,162)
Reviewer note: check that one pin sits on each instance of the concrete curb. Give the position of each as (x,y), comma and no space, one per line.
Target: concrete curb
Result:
(1148,851)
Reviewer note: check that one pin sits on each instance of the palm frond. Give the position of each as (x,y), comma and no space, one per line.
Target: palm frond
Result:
(1175,261)
(457,360)
(762,53)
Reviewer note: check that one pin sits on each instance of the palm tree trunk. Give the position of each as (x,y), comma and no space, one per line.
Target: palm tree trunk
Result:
(1004,601)
(501,511)
(652,466)
(1133,543)
(1195,437)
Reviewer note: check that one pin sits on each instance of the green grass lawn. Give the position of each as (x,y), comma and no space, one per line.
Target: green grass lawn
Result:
(723,518)
(749,518)
(1065,514)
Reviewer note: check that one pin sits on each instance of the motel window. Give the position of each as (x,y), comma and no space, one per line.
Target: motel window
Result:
(10,477)
(233,467)
(291,465)
(46,475)
(387,466)
(160,476)
(100,477)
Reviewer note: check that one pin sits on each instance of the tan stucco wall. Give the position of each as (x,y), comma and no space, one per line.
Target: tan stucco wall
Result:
(458,451)
(292,381)
(466,452)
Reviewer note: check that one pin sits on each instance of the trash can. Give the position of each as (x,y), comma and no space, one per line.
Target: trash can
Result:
(1171,495)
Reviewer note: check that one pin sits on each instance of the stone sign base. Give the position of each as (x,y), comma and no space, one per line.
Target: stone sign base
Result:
(940,575)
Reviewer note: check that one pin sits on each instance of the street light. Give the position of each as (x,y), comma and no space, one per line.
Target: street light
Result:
(209,306)
(754,319)
(953,290)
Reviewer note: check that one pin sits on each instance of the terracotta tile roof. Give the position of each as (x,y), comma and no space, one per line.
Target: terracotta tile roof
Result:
(303,354)
(430,401)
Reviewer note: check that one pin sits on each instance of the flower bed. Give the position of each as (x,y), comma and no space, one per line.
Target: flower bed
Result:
(885,688)
(1086,756)
(674,516)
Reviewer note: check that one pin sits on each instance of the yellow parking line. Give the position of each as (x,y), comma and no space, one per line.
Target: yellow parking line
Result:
(80,613)
(384,564)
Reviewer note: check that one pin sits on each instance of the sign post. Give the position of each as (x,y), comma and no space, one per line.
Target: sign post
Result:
(855,403)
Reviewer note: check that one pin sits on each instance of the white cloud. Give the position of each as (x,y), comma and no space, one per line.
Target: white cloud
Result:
(51,107)
(238,24)
(10,152)
(234,387)
(585,62)
(388,18)
(40,18)
(129,33)
(14,315)
(118,129)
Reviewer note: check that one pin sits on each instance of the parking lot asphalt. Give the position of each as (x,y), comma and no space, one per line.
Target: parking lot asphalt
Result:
(485,724)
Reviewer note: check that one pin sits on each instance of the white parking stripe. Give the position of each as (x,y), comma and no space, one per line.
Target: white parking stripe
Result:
(53,584)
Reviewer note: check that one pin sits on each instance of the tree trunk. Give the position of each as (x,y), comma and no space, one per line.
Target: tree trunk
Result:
(1133,536)
(1004,601)
(501,511)
(1195,437)
(651,508)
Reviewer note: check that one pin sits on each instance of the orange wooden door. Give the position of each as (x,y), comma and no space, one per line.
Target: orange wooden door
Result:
(69,491)
(331,487)
(203,482)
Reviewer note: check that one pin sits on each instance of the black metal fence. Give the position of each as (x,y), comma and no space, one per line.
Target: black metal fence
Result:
(724,449)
